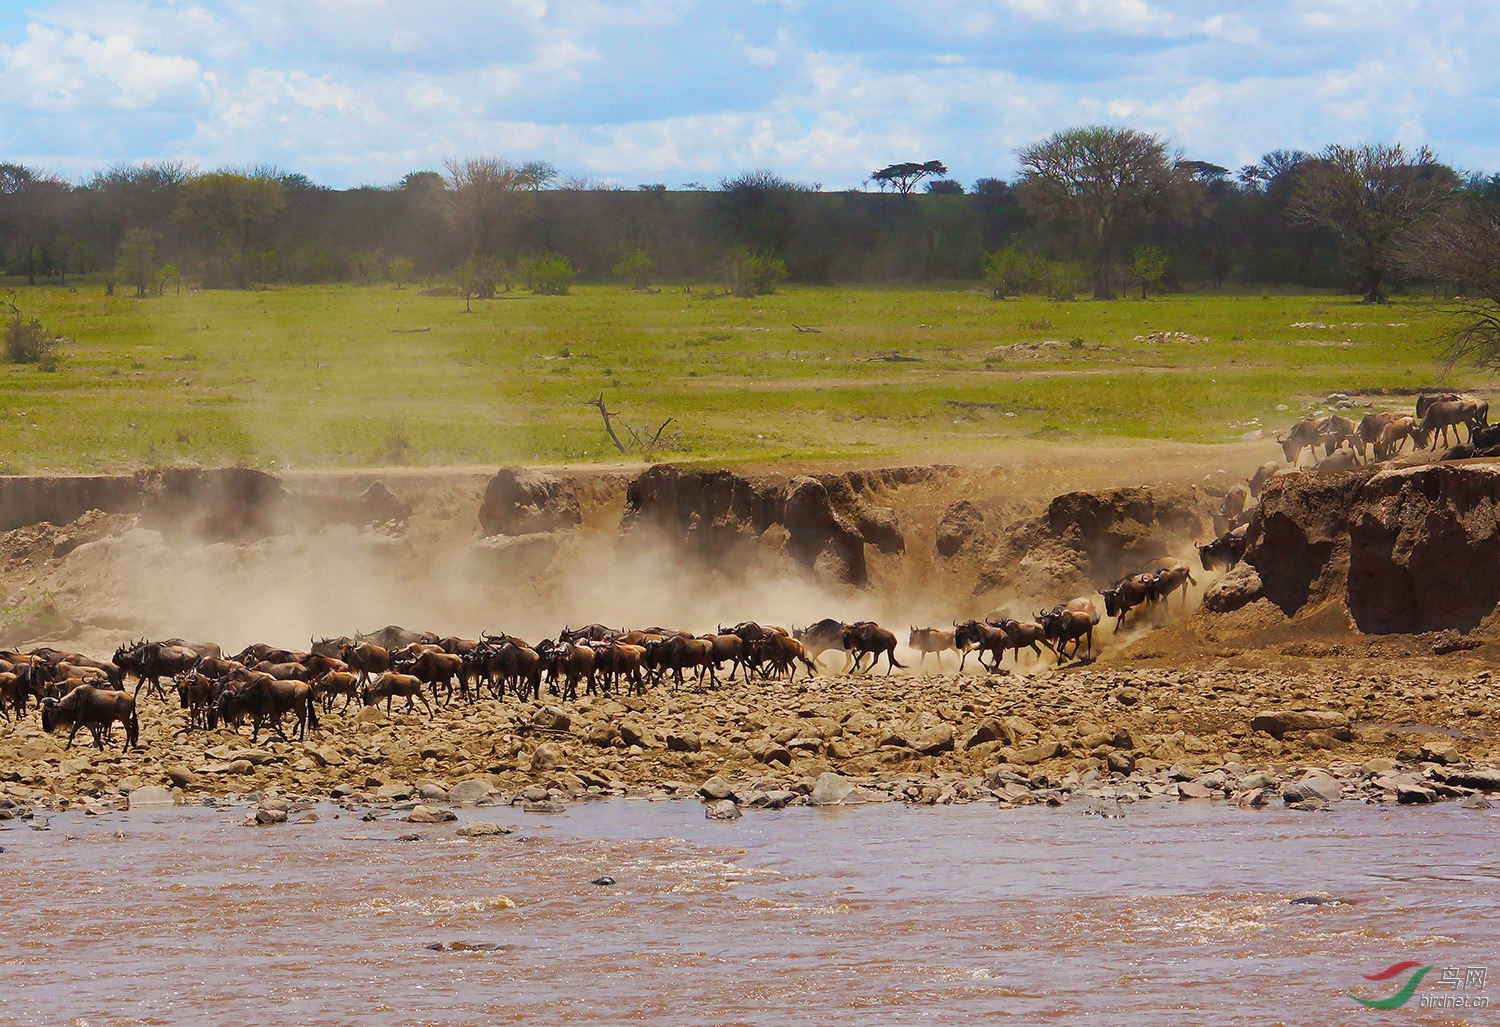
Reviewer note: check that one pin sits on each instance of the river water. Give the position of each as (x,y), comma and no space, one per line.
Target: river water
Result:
(1174,913)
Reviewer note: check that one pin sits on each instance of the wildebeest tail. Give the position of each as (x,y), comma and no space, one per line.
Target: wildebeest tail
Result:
(312,710)
(132,731)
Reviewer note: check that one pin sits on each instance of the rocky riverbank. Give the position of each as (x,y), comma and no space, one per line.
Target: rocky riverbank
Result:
(1094,735)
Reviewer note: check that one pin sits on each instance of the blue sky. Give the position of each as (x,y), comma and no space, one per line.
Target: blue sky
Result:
(354,92)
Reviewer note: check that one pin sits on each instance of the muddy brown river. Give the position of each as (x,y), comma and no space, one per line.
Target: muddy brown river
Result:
(1175,913)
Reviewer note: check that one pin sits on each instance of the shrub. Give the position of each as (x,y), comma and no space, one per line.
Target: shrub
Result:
(28,342)
(552,275)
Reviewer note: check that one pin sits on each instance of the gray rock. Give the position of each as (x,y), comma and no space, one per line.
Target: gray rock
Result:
(775,799)
(481,829)
(393,793)
(150,795)
(264,816)
(934,740)
(534,793)
(547,756)
(550,718)
(831,790)
(1444,751)
(433,792)
(429,815)
(987,731)
(716,788)
(684,742)
(469,791)
(1279,722)
(723,809)
(1316,784)
(1484,780)
(636,733)
(1193,790)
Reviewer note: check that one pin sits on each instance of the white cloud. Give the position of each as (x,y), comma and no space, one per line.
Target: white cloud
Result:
(58,71)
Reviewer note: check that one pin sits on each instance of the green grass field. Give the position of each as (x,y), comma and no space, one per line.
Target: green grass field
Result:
(346,376)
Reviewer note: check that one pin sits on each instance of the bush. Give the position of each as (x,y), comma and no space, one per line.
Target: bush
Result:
(752,274)
(27,342)
(552,275)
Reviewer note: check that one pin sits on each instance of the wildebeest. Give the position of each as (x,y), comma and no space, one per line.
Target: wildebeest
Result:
(366,658)
(1129,593)
(783,652)
(732,648)
(931,640)
(1023,635)
(267,700)
(589,633)
(1305,434)
(391,685)
(435,667)
(333,683)
(1064,624)
(1226,550)
(1264,473)
(1343,460)
(979,637)
(614,660)
(1172,576)
(678,654)
(866,638)
(820,637)
(568,662)
(1232,506)
(1336,431)
(94,708)
(1441,414)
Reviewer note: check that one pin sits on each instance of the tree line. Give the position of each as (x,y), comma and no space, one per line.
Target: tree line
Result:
(1095,210)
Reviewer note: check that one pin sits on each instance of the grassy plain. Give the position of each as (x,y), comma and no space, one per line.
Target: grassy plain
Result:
(348,376)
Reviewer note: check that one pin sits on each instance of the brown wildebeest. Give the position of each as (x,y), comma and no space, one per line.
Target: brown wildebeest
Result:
(260,652)
(367,658)
(613,660)
(1369,428)
(333,683)
(1337,431)
(1170,578)
(267,700)
(589,633)
(1305,434)
(94,708)
(1343,460)
(11,693)
(1440,415)
(1232,506)
(679,654)
(1022,635)
(435,667)
(1263,474)
(393,637)
(1131,592)
(931,640)
(329,646)
(866,638)
(1394,435)
(729,647)
(783,652)
(1063,625)
(1226,550)
(391,685)
(507,661)
(292,670)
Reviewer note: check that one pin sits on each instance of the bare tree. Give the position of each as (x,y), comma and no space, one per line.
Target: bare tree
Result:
(1371,196)
(1105,181)
(484,200)
(1461,251)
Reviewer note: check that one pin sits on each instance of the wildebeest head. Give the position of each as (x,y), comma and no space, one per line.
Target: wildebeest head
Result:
(49,715)
(1111,600)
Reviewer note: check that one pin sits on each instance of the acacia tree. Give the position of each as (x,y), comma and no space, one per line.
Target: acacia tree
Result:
(1371,196)
(1104,181)
(135,260)
(904,177)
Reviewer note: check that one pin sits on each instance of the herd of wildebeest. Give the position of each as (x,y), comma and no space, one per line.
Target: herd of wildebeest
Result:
(264,683)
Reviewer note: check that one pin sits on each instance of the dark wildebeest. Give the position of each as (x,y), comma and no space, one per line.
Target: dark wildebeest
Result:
(391,685)
(931,640)
(979,637)
(267,700)
(732,648)
(1305,434)
(1131,592)
(613,660)
(589,633)
(819,638)
(393,637)
(1022,635)
(678,654)
(94,708)
(567,662)
(866,638)
(1063,625)
(329,646)
(507,661)
(1226,550)
(261,652)
(151,661)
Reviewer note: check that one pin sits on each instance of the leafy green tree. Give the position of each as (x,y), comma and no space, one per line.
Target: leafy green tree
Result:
(752,274)
(400,269)
(1372,196)
(1012,271)
(1148,266)
(474,277)
(1105,182)
(552,275)
(136,260)
(221,211)
(639,266)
